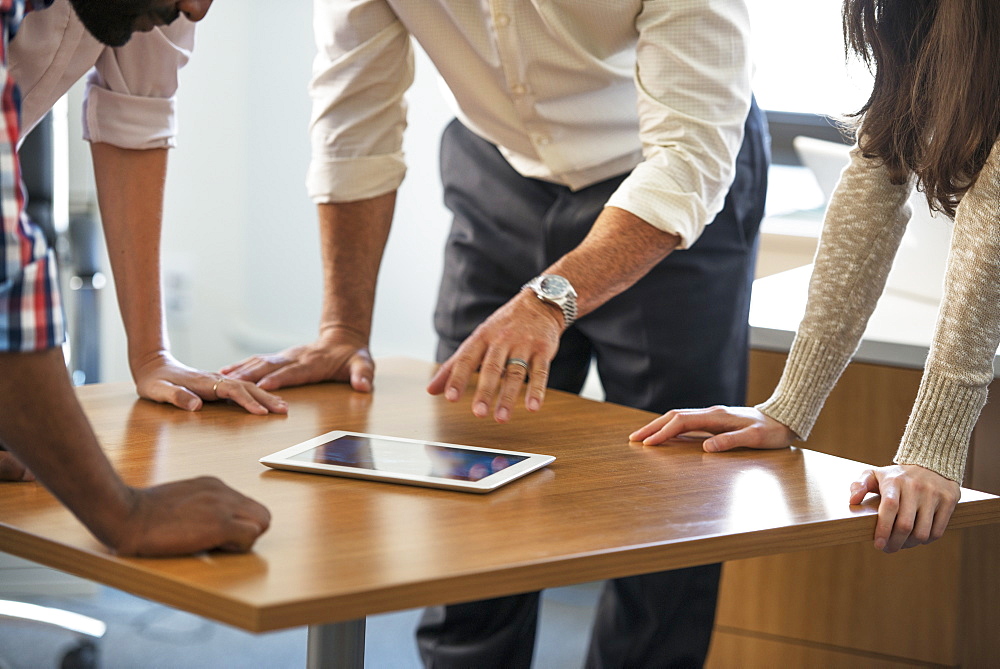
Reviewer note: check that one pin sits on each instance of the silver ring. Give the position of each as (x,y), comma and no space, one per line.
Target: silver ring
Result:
(517,361)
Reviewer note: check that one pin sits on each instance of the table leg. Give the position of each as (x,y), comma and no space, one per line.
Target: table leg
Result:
(337,645)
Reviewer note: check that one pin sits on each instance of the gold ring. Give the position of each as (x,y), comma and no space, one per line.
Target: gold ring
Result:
(215,388)
(519,362)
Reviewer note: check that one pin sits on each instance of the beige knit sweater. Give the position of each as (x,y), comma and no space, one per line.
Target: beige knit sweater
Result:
(862,231)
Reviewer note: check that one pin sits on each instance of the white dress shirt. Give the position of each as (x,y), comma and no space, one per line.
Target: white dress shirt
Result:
(571,91)
(129,99)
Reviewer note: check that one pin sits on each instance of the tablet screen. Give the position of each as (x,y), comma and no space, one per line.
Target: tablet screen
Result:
(407,457)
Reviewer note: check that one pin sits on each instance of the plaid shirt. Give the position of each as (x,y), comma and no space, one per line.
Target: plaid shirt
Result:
(31,316)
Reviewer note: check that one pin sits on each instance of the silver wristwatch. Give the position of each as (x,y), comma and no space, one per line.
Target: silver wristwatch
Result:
(556,290)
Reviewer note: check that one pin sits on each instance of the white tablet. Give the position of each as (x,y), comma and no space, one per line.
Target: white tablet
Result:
(410,461)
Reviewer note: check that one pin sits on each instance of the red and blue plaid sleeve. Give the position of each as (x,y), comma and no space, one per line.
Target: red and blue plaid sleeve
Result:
(31,315)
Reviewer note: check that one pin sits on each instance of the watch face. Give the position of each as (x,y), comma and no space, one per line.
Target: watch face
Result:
(554,286)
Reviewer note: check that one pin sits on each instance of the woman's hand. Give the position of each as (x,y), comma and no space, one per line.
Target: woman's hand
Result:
(732,427)
(915,508)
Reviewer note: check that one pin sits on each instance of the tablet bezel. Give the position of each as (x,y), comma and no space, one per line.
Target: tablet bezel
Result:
(281,460)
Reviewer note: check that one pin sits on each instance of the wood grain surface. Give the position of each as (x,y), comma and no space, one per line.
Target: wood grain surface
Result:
(340,548)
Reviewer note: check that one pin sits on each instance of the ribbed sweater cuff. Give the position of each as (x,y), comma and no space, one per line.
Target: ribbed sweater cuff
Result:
(810,373)
(938,432)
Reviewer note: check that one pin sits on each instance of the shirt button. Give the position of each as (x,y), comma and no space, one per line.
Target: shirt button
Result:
(518,90)
(503,20)
(543,140)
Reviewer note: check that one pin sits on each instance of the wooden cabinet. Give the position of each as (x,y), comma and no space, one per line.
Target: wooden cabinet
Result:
(854,606)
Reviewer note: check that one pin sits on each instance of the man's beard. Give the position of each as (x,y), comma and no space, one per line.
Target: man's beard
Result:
(112,22)
(110,27)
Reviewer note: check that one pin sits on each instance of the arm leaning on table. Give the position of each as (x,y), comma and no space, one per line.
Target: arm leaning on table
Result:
(130,192)
(43,429)
(47,436)
(666,202)
(47,431)
(363,67)
(352,238)
(129,119)
(864,224)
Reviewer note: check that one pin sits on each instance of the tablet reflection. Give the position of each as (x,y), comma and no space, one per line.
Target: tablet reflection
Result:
(401,457)
(465,465)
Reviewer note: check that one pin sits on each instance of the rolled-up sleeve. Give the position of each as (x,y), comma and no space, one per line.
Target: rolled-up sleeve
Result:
(693,81)
(130,94)
(363,67)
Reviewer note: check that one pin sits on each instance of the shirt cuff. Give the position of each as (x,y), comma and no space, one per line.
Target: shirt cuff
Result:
(644,195)
(128,121)
(352,179)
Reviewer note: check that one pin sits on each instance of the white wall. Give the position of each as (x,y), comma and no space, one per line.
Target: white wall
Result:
(241,259)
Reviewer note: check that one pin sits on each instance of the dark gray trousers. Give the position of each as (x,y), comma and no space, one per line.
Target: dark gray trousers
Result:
(678,338)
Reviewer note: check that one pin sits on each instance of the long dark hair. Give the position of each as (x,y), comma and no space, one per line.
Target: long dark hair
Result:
(935,107)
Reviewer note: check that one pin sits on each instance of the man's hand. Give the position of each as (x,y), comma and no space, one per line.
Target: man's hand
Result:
(732,427)
(11,468)
(618,250)
(45,429)
(915,508)
(352,238)
(190,516)
(339,354)
(163,379)
(523,329)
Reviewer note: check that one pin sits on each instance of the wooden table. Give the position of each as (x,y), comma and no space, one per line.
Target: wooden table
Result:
(932,606)
(341,549)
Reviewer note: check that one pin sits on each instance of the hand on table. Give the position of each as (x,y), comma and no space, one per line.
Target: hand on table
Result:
(524,329)
(164,379)
(915,507)
(337,355)
(191,516)
(731,427)
(916,503)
